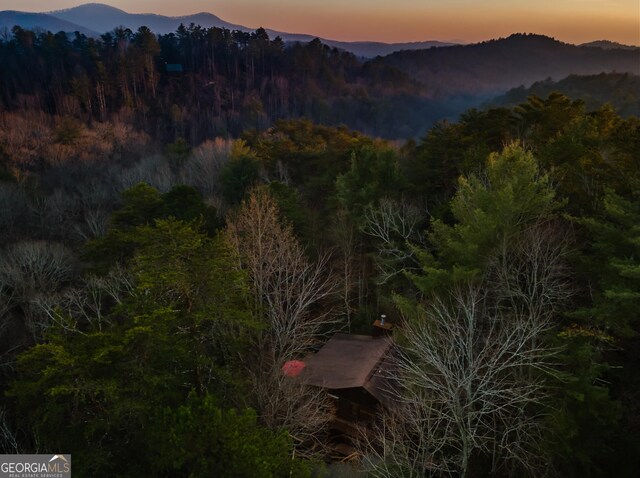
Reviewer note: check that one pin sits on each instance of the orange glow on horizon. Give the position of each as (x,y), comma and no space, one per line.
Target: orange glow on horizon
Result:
(573,21)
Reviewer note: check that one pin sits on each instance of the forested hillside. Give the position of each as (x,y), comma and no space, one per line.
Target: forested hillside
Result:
(198,83)
(620,90)
(167,245)
(497,65)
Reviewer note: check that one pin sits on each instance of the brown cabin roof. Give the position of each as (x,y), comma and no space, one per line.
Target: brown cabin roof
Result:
(382,383)
(348,361)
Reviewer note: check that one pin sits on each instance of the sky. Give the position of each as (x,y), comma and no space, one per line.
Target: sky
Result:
(573,21)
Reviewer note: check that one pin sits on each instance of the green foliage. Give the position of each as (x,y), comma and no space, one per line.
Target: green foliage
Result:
(545,118)
(451,149)
(374,174)
(240,173)
(177,154)
(614,261)
(609,261)
(310,155)
(156,387)
(141,205)
(186,204)
(184,269)
(201,439)
(178,331)
(309,158)
(292,208)
(583,152)
(489,210)
(585,419)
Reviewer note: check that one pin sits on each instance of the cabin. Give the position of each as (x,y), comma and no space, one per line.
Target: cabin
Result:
(356,371)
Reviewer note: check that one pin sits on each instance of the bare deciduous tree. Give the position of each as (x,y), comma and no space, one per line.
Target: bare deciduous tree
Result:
(93,225)
(88,303)
(289,291)
(474,368)
(288,287)
(344,233)
(6,299)
(530,273)
(8,440)
(96,197)
(202,170)
(301,410)
(31,269)
(395,226)
(13,210)
(56,213)
(153,170)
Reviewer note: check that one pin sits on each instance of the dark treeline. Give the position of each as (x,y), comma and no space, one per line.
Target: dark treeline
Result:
(199,82)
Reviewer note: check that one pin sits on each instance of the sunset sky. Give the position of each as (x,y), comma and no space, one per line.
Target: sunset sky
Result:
(573,21)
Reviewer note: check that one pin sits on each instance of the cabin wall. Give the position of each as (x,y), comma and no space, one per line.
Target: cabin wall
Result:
(355,405)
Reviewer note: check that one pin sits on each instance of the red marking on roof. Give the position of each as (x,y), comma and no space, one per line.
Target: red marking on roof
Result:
(293,368)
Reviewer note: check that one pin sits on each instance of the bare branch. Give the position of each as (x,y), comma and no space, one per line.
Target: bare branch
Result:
(202,170)
(8,441)
(30,270)
(289,292)
(395,225)
(474,368)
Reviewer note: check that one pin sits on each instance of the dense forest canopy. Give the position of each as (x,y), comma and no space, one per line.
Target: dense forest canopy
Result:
(172,232)
(203,82)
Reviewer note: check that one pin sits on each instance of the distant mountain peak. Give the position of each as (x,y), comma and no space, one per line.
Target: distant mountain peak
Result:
(609,45)
(93,6)
(533,37)
(199,15)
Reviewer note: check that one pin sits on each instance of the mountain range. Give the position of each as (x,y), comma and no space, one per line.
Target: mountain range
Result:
(93,19)
(31,21)
(609,45)
(495,66)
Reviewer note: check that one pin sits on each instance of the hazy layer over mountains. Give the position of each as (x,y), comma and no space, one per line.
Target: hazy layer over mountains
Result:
(620,90)
(495,66)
